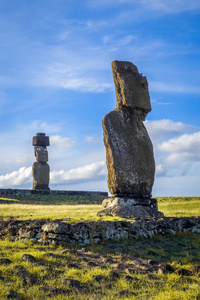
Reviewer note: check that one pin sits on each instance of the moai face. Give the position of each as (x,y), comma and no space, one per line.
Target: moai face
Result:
(41,154)
(131,87)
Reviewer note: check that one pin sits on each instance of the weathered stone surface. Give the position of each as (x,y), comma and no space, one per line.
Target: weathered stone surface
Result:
(129,151)
(40,169)
(133,212)
(125,201)
(40,140)
(28,257)
(130,86)
(40,172)
(53,227)
(5,261)
(41,154)
(12,294)
(95,232)
(133,208)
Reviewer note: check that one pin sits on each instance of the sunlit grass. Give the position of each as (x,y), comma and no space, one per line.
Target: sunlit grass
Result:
(179,206)
(170,206)
(70,213)
(55,269)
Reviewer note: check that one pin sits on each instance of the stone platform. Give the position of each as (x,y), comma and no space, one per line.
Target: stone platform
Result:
(133,208)
(59,232)
(15,192)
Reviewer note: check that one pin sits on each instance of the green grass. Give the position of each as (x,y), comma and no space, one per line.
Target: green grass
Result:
(179,206)
(84,209)
(180,251)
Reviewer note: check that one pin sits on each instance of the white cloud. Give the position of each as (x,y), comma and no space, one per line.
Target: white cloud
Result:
(89,138)
(160,171)
(75,77)
(161,129)
(93,172)
(16,178)
(57,140)
(23,177)
(181,155)
(176,152)
(189,143)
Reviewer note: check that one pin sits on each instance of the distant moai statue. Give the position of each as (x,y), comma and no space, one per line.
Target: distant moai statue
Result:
(40,169)
(129,151)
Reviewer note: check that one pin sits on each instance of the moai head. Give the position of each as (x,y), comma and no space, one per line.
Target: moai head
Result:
(131,87)
(40,142)
(41,154)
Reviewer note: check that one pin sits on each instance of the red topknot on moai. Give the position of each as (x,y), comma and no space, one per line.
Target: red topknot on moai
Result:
(40,168)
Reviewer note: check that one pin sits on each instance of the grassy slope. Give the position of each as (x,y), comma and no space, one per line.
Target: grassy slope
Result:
(182,250)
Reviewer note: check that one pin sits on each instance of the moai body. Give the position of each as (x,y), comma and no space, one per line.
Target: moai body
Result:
(40,169)
(129,151)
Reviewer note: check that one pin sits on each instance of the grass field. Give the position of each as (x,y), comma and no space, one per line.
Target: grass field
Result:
(104,271)
(80,208)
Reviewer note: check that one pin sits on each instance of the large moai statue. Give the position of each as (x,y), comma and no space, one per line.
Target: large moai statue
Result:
(129,151)
(40,169)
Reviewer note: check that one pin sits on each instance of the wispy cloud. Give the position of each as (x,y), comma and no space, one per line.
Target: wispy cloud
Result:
(167,6)
(171,6)
(162,129)
(58,141)
(168,87)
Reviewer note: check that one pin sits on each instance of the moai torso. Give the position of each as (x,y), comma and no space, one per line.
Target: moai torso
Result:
(40,169)
(129,151)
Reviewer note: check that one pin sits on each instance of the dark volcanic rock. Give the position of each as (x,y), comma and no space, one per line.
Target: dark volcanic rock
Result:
(5,261)
(28,257)
(129,151)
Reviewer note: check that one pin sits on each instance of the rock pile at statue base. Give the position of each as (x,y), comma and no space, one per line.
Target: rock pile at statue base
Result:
(129,151)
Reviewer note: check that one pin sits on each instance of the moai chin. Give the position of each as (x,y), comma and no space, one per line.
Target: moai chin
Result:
(129,151)
(40,169)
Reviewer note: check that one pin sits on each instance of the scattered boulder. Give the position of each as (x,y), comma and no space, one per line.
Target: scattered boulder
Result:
(5,261)
(99,278)
(12,294)
(28,257)
(114,275)
(183,272)
(71,282)
(26,277)
(194,269)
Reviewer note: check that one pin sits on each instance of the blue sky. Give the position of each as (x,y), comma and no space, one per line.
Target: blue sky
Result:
(55,77)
